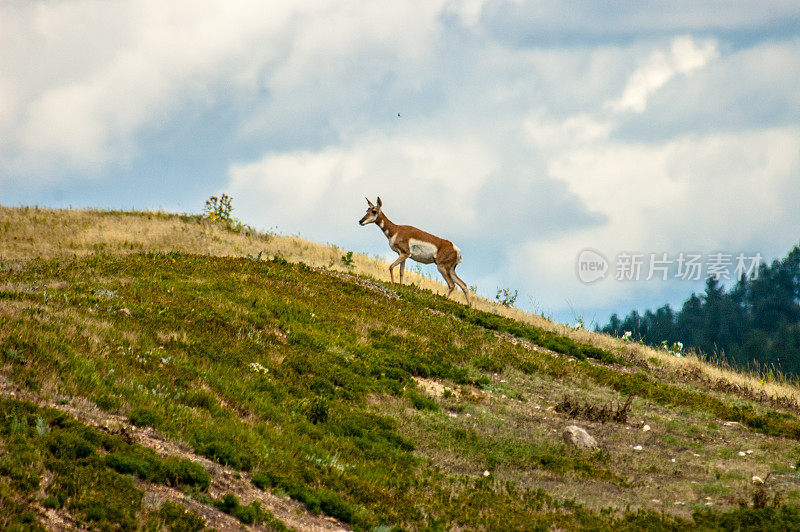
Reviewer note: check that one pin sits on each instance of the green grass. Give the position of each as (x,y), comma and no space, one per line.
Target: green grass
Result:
(90,472)
(493,322)
(275,369)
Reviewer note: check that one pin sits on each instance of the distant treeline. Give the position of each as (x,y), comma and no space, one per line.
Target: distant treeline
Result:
(756,320)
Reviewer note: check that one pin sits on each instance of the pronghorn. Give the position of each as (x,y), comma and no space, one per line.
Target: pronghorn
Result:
(408,241)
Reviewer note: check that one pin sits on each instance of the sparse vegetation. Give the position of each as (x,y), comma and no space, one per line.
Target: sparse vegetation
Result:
(175,517)
(219,208)
(347,259)
(574,408)
(248,514)
(505,297)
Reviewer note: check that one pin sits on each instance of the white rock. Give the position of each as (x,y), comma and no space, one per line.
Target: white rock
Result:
(673,460)
(575,435)
(757,480)
(637,448)
(742,453)
(646,428)
(486,473)
(749,451)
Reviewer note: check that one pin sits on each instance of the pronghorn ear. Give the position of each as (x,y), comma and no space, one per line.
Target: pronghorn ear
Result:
(379,201)
(368,202)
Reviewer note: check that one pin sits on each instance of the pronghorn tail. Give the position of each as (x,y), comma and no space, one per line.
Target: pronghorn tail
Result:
(458,253)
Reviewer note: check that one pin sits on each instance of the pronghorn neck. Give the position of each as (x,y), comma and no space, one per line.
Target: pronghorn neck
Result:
(389,229)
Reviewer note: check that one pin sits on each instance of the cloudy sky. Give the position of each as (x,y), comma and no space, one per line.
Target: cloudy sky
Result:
(525,132)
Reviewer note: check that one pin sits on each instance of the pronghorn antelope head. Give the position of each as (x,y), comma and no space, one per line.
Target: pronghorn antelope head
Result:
(409,242)
(373,211)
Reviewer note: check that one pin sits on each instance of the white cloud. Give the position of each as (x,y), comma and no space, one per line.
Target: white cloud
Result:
(527,152)
(674,195)
(684,56)
(718,192)
(714,190)
(467,11)
(77,89)
(421,180)
(110,81)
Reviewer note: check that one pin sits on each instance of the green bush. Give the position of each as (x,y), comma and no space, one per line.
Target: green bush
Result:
(421,401)
(225,453)
(145,417)
(171,471)
(69,445)
(317,410)
(248,514)
(766,519)
(177,518)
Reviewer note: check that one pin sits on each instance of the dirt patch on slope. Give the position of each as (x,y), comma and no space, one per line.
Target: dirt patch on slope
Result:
(366,283)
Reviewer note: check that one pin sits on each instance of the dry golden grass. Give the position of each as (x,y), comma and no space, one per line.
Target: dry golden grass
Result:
(30,232)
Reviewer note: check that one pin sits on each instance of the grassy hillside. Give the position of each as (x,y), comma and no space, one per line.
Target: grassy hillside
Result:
(163,372)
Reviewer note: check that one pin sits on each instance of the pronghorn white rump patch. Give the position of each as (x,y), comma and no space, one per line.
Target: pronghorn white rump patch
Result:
(458,253)
(422,251)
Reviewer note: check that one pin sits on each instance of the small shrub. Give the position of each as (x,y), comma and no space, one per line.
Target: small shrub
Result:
(347,259)
(489,363)
(422,402)
(109,403)
(317,410)
(248,514)
(745,518)
(176,517)
(608,412)
(219,208)
(145,417)
(332,504)
(199,399)
(14,356)
(182,472)
(225,453)
(505,297)
(128,465)
(51,501)
(69,445)
(149,466)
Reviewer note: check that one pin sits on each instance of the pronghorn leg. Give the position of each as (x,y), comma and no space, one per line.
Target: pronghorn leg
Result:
(402,268)
(449,280)
(401,259)
(460,283)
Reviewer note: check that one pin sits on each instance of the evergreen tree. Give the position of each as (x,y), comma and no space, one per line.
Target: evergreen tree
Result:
(756,321)
(691,321)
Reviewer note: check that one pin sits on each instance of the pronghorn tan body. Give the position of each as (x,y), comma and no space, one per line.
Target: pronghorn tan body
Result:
(408,241)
